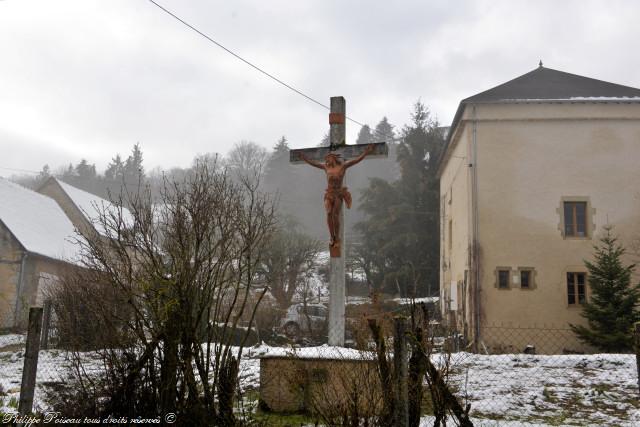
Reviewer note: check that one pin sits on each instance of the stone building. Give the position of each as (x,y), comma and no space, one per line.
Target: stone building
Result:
(325,380)
(36,246)
(533,170)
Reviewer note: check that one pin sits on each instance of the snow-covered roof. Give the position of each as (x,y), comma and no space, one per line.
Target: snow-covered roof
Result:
(37,222)
(91,206)
(407,301)
(323,352)
(582,99)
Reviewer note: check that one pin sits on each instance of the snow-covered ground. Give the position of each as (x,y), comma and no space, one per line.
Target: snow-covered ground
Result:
(505,390)
(598,389)
(11,340)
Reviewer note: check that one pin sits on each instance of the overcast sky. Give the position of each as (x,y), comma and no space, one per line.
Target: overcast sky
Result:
(89,78)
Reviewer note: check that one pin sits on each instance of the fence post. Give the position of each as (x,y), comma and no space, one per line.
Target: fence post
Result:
(30,367)
(46,321)
(636,333)
(400,362)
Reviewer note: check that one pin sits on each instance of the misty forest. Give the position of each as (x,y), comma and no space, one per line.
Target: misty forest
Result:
(392,229)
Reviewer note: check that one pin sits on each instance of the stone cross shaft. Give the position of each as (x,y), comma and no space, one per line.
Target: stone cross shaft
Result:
(335,160)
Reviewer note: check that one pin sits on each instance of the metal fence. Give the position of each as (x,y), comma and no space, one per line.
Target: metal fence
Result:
(518,376)
(521,375)
(29,369)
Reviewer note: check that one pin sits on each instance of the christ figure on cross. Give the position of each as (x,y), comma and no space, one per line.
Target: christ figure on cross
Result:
(335,192)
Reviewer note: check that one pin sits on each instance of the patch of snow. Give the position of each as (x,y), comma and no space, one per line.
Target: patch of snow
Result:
(38,222)
(407,301)
(531,387)
(358,300)
(504,390)
(12,339)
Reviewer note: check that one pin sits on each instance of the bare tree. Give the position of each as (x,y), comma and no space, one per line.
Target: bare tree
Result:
(290,256)
(165,291)
(247,161)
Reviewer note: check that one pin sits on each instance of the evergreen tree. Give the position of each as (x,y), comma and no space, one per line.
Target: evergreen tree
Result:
(279,176)
(384,131)
(85,171)
(324,142)
(400,248)
(43,175)
(115,170)
(278,160)
(612,309)
(133,169)
(365,136)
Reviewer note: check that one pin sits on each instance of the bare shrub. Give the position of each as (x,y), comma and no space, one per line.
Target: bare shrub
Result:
(160,300)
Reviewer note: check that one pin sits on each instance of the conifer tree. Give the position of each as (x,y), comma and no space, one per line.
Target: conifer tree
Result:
(612,309)
(384,131)
(133,169)
(365,136)
(399,251)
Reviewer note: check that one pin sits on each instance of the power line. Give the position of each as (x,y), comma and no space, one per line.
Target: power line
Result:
(19,170)
(255,67)
(229,51)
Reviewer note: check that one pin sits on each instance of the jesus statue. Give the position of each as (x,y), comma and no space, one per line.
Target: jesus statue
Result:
(335,193)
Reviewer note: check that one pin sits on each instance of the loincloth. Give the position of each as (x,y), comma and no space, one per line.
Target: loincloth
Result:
(332,195)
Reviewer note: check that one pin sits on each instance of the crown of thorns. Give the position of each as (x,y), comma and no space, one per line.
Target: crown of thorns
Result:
(332,155)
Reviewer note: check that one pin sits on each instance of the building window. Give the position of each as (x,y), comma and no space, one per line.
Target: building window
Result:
(526,278)
(576,290)
(503,278)
(575,219)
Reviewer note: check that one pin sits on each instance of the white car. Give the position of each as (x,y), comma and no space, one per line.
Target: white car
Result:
(304,319)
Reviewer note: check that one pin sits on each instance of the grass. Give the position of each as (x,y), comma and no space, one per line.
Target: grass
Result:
(13,402)
(282,420)
(549,395)
(12,348)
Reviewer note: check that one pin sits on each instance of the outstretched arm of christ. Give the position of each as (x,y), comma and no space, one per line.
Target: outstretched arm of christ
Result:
(361,157)
(311,162)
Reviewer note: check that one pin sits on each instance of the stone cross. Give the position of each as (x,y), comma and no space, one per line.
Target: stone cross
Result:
(328,159)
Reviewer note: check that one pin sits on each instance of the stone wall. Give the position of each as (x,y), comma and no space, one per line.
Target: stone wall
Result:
(319,385)
(10,262)
(21,276)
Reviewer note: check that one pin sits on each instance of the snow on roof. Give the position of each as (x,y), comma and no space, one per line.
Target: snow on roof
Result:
(91,206)
(576,99)
(324,352)
(406,301)
(37,222)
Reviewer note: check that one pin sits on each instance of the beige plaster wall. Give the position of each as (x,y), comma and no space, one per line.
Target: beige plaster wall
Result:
(525,168)
(455,229)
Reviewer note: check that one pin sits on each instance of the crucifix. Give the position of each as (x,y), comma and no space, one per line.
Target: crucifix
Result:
(329,159)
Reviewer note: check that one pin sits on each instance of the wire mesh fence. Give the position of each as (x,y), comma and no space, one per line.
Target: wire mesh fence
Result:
(51,369)
(524,375)
(518,375)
